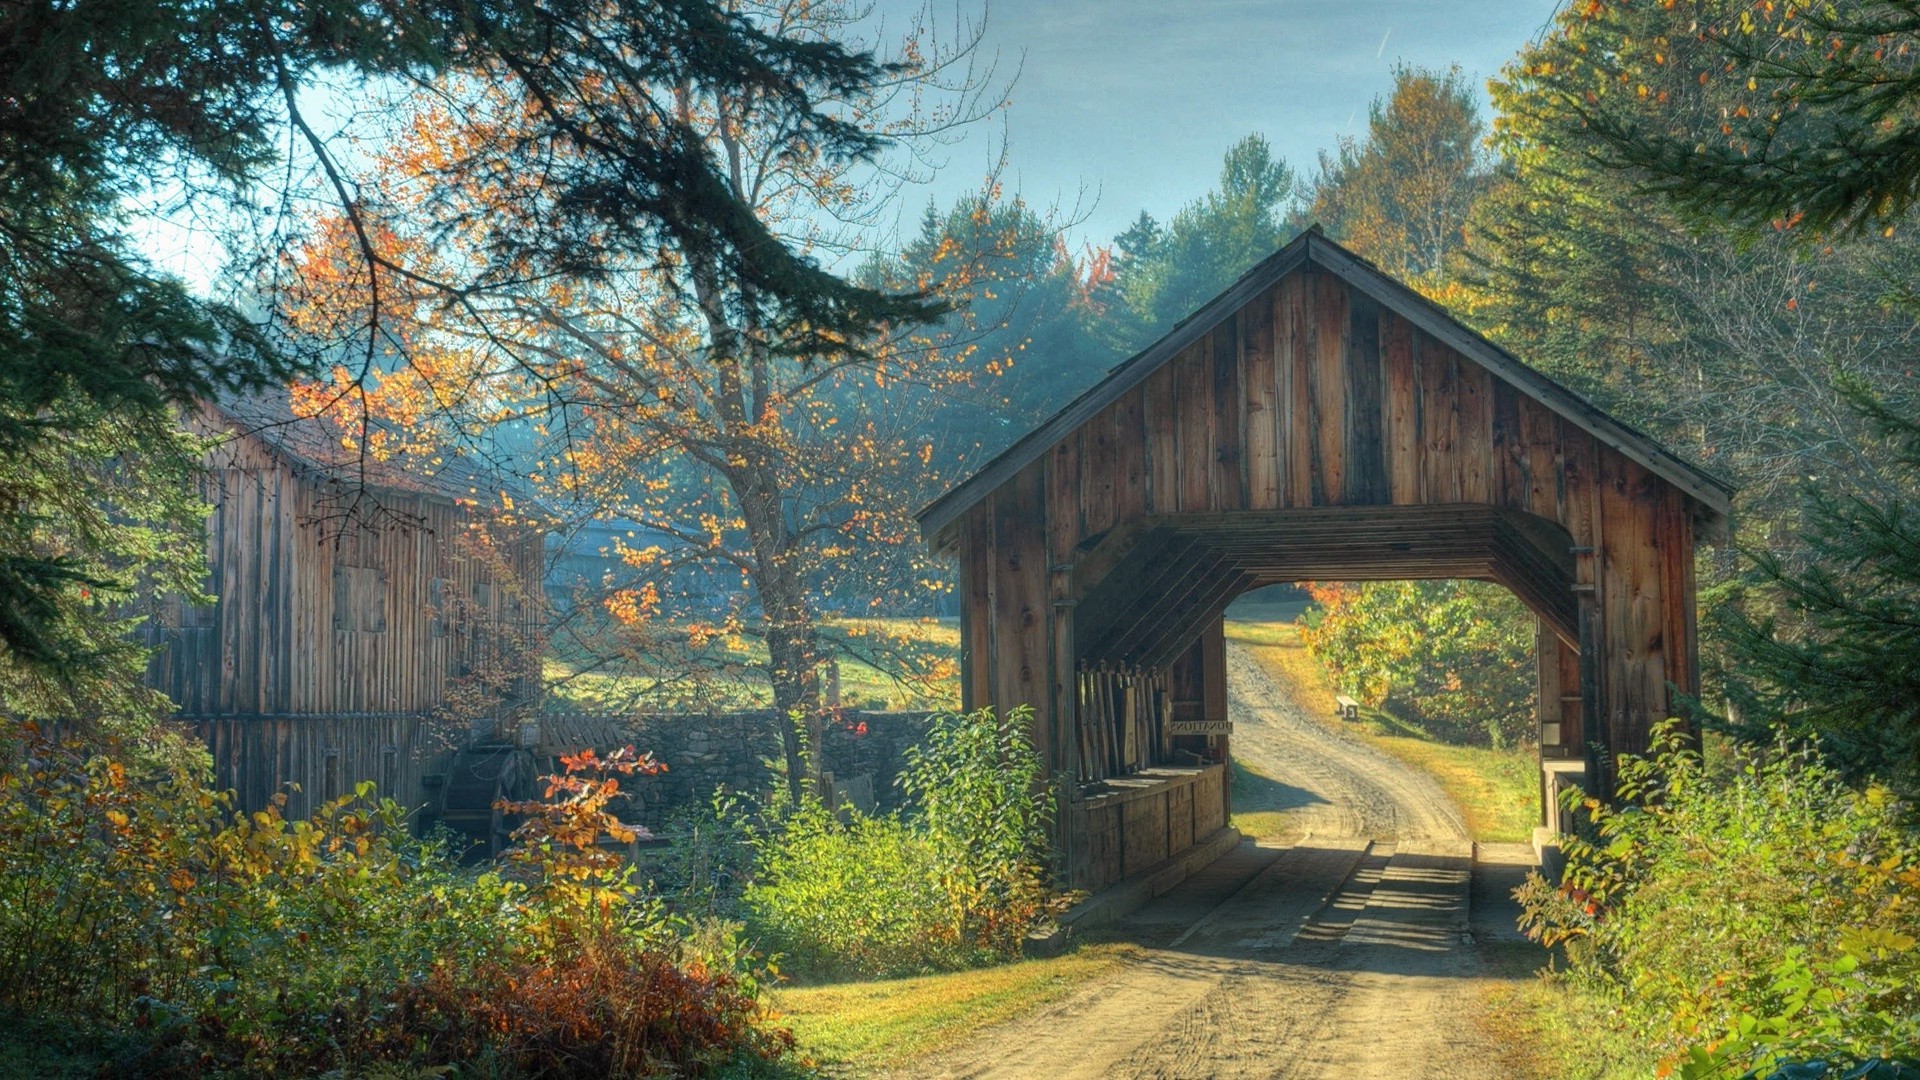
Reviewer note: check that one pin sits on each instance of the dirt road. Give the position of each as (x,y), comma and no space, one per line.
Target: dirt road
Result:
(1356,951)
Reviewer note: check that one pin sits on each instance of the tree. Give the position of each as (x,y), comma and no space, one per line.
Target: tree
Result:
(1020,319)
(1163,274)
(1819,133)
(1766,127)
(659,388)
(1840,661)
(1731,346)
(112,104)
(1401,195)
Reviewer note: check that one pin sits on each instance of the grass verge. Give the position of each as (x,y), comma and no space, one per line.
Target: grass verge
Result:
(1497,790)
(865,1025)
(730,672)
(1549,1027)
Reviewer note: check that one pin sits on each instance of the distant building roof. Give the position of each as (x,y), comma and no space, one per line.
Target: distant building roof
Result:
(320,445)
(1713,495)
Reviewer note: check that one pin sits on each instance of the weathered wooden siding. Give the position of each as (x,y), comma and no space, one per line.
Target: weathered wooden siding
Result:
(1314,396)
(324,757)
(333,635)
(1158,815)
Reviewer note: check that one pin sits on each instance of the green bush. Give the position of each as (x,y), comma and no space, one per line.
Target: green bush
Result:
(1732,922)
(956,880)
(1453,657)
(182,938)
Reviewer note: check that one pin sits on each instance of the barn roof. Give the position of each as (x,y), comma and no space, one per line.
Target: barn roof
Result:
(314,444)
(1712,494)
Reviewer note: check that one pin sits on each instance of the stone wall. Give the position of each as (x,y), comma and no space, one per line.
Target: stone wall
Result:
(739,751)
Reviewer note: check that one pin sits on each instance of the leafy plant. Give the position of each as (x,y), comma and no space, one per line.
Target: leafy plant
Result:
(1455,657)
(956,880)
(137,905)
(1736,922)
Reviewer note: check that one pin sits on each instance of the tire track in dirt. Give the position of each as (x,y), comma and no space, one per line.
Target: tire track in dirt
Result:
(1338,785)
(1345,957)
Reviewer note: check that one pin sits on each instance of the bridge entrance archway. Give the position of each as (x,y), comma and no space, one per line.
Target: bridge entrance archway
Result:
(1316,420)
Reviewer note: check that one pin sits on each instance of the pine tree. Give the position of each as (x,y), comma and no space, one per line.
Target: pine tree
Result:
(108,101)
(1840,661)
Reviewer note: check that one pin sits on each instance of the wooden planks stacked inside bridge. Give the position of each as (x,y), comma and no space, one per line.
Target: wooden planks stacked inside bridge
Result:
(1318,420)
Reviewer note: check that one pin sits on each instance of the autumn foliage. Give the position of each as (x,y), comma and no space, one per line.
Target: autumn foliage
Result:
(144,916)
(1453,657)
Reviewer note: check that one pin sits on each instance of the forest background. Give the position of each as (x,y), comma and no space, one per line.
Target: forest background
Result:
(599,271)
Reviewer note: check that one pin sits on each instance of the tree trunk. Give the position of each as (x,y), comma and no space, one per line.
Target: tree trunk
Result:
(794,664)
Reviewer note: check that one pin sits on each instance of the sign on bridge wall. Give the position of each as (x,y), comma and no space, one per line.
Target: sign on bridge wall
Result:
(1199,727)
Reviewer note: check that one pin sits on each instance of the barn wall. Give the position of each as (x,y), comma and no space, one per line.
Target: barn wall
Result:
(331,639)
(323,757)
(1314,395)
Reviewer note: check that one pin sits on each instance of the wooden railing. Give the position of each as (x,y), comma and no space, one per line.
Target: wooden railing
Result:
(1122,713)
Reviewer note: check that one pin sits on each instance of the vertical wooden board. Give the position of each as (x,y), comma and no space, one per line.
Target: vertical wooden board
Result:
(1648,631)
(1064,530)
(1475,434)
(1161,417)
(1097,457)
(281,601)
(1580,507)
(1179,819)
(1062,535)
(1328,389)
(1547,684)
(1400,376)
(1366,453)
(1213,670)
(1620,528)
(1540,444)
(1130,477)
(1020,628)
(1298,447)
(1571,723)
(1683,602)
(1510,463)
(1226,489)
(1193,394)
(976,607)
(1439,420)
(1263,404)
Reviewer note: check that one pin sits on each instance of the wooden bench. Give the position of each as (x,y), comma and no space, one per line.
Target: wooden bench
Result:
(1346,707)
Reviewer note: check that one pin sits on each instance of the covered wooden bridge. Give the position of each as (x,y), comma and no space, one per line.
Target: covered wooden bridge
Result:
(1317,420)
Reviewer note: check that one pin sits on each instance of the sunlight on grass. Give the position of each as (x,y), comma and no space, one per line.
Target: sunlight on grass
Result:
(870,1024)
(1497,790)
(863,684)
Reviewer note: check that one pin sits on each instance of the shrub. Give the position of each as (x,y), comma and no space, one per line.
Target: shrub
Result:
(1455,657)
(958,879)
(1734,922)
(136,904)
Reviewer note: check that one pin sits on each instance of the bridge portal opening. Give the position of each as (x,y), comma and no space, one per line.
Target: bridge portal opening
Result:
(1316,421)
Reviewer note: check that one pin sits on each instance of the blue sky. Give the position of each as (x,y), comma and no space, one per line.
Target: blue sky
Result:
(1134,101)
(1124,105)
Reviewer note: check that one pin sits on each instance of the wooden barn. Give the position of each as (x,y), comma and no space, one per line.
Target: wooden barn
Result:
(354,596)
(1317,420)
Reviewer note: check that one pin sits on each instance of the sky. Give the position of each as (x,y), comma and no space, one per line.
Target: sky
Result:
(1125,105)
(1120,106)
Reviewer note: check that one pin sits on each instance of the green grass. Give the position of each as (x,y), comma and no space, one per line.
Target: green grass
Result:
(1497,790)
(732,672)
(1550,1027)
(1257,806)
(862,1025)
